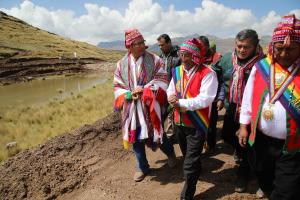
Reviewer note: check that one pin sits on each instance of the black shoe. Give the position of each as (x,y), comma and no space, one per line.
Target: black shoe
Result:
(237,157)
(260,194)
(241,185)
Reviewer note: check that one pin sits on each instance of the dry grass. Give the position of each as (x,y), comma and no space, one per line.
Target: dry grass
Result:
(32,125)
(22,40)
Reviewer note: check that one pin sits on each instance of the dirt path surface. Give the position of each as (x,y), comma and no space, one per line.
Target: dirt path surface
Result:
(91,164)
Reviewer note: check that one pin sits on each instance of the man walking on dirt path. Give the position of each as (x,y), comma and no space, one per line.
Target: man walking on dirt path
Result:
(271,105)
(170,55)
(211,59)
(236,67)
(140,82)
(191,91)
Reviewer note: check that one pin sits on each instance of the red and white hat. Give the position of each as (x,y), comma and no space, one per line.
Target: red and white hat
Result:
(132,35)
(287,30)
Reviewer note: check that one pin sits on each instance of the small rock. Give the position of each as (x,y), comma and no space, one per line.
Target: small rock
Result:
(47,189)
(11,145)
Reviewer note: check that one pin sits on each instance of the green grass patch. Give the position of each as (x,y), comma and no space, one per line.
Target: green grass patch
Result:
(33,125)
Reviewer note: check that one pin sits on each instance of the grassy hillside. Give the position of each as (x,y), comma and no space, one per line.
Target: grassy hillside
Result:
(19,40)
(32,125)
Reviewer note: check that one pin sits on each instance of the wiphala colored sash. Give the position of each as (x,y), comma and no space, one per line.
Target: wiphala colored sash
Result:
(290,99)
(182,84)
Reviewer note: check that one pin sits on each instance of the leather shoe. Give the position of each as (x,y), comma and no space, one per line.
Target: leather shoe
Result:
(172,160)
(241,185)
(139,176)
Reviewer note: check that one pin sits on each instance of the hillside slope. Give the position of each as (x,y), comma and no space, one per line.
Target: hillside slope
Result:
(27,50)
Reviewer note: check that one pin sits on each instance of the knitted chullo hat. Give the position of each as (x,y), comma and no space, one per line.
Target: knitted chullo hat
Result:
(196,48)
(132,35)
(286,31)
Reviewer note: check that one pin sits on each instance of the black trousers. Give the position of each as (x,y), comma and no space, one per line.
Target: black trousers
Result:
(191,145)
(230,127)
(278,173)
(212,130)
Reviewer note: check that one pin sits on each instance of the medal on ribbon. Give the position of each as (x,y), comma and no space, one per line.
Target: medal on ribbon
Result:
(278,83)
(279,78)
(268,113)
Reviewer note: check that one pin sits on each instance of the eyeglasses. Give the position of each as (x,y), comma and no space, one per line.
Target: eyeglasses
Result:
(135,44)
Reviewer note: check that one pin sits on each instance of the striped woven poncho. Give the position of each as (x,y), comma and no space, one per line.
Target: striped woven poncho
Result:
(141,119)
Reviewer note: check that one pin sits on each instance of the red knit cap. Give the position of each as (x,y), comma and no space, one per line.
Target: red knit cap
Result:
(196,48)
(287,30)
(132,35)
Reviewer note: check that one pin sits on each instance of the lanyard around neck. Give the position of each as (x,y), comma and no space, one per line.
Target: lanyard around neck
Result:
(275,95)
(190,77)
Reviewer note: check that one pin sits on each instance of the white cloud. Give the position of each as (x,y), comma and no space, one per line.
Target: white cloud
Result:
(267,23)
(106,24)
(296,12)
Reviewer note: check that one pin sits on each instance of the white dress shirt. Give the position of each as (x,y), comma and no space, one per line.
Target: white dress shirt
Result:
(208,90)
(135,66)
(276,127)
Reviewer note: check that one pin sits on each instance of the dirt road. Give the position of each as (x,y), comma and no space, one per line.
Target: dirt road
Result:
(92,165)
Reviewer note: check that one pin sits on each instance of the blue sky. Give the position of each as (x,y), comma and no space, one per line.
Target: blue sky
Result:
(259,7)
(105,20)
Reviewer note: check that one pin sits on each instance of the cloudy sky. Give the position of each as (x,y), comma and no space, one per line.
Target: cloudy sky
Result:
(105,20)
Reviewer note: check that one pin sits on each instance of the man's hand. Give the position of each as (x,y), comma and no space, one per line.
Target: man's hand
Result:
(238,110)
(173,100)
(242,134)
(220,105)
(138,89)
(136,93)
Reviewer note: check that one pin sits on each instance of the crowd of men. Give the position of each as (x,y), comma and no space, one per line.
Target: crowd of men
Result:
(175,98)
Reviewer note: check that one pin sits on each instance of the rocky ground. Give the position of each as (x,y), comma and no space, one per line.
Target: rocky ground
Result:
(90,164)
(12,71)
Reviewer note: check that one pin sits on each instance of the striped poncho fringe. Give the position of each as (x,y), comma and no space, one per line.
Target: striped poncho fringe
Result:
(141,119)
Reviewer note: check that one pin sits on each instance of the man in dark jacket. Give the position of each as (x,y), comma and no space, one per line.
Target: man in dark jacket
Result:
(169,53)
(211,59)
(236,67)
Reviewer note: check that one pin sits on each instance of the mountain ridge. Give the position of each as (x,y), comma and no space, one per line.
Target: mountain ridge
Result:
(223,44)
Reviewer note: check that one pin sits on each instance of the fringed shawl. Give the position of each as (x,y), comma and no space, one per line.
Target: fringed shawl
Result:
(141,119)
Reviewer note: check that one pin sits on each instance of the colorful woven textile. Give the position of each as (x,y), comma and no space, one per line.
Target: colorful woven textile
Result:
(238,79)
(132,35)
(289,100)
(186,88)
(141,119)
(196,48)
(287,30)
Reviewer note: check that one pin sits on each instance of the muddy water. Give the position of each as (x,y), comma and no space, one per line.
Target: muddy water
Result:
(41,91)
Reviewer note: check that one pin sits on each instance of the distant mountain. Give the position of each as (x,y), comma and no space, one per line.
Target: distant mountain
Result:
(223,44)
(113,45)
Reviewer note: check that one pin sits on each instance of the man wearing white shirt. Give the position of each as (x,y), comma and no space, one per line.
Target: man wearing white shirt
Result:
(271,105)
(191,92)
